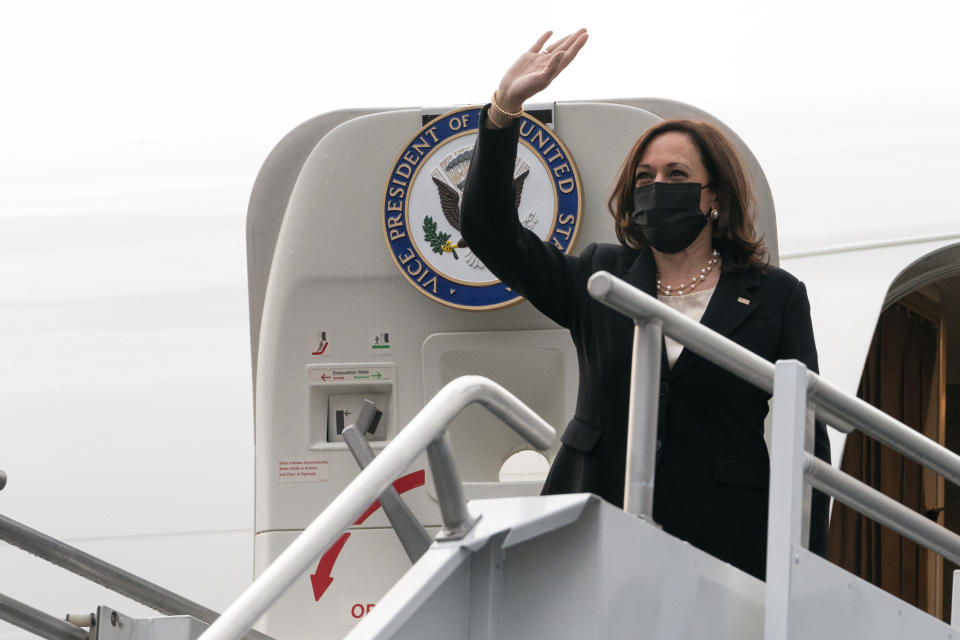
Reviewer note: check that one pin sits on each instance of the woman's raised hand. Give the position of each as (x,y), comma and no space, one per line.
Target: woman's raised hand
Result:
(536,69)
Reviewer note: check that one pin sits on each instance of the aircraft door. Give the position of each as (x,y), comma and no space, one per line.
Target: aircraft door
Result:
(351,300)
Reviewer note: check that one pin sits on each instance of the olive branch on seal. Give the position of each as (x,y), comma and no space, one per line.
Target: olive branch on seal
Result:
(439,241)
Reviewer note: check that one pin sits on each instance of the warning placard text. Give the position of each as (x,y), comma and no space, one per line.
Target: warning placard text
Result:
(299,468)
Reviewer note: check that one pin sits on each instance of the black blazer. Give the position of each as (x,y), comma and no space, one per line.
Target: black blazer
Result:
(713,468)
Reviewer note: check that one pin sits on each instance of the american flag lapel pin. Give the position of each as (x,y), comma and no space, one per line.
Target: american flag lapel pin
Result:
(743,301)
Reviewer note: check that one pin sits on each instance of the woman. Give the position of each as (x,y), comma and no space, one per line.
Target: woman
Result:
(682,209)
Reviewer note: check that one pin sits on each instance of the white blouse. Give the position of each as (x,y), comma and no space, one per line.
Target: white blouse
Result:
(691,305)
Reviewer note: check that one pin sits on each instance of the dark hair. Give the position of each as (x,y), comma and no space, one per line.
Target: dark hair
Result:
(734,232)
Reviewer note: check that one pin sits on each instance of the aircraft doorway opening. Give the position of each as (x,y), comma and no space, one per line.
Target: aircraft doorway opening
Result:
(912,373)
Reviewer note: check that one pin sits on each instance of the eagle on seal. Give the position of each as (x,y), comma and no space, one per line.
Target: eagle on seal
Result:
(450,177)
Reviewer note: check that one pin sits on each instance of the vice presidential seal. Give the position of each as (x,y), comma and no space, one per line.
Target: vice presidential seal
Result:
(421,208)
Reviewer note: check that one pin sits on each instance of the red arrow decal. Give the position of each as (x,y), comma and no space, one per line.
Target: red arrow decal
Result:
(402,485)
(321,578)
(324,376)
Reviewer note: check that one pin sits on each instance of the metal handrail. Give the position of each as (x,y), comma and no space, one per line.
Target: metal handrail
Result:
(427,430)
(836,407)
(881,508)
(413,537)
(112,577)
(800,396)
(37,622)
(792,470)
(829,403)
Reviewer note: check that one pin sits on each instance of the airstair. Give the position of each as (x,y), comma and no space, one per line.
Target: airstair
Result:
(573,566)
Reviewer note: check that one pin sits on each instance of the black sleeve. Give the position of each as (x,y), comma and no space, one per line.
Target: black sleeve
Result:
(555,283)
(797,342)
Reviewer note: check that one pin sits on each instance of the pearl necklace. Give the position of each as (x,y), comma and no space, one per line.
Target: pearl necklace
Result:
(694,281)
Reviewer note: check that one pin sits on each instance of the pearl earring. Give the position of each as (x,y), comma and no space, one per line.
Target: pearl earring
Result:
(714,214)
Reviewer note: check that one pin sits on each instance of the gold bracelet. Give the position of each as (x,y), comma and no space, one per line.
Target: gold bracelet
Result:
(500,110)
(493,120)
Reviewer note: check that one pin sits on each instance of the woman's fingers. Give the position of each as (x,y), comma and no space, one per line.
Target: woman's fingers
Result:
(568,54)
(565,41)
(540,42)
(537,68)
(563,56)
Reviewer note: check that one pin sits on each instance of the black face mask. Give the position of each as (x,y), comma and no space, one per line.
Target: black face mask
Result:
(668,214)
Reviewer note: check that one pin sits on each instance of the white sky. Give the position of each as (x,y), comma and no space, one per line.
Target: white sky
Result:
(102,72)
(865,84)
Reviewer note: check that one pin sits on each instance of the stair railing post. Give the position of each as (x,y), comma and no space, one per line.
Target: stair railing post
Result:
(785,511)
(642,418)
(457,520)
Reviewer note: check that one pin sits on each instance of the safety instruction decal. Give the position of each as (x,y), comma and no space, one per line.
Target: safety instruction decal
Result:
(340,375)
(296,467)
(319,343)
(379,341)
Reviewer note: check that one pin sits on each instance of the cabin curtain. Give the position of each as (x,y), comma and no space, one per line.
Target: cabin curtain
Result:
(899,379)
